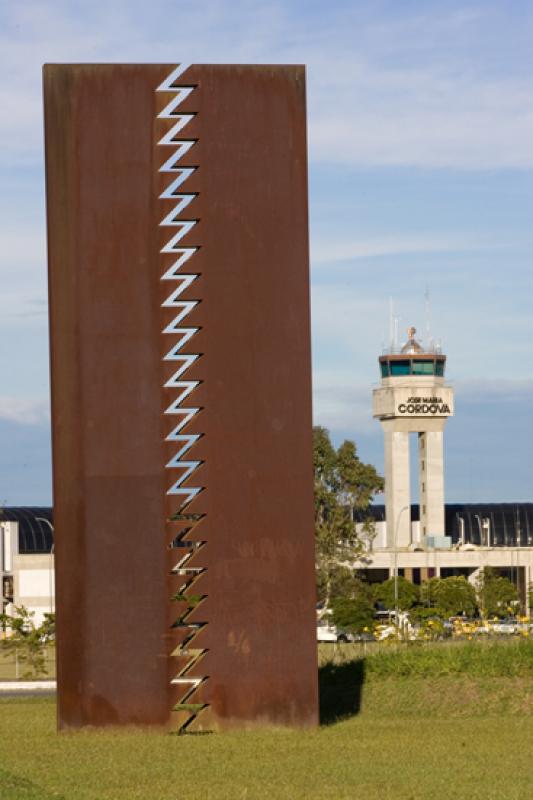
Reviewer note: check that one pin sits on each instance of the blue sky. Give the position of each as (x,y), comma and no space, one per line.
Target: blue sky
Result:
(420,167)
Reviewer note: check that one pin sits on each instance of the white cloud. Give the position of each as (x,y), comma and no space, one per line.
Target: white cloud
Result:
(340,403)
(484,328)
(24,411)
(23,245)
(348,320)
(426,117)
(493,390)
(324,251)
(384,88)
(23,270)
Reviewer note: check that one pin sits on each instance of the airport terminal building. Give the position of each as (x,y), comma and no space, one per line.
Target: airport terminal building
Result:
(27,560)
(499,535)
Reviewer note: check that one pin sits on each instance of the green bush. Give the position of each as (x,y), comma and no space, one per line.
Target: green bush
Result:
(495,594)
(474,659)
(352,614)
(423,613)
(449,596)
(408,593)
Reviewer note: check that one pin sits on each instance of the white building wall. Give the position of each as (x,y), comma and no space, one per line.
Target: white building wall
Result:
(431,482)
(8,545)
(36,583)
(397,488)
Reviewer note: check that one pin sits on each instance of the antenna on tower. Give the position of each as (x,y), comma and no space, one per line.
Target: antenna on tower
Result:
(391,324)
(429,343)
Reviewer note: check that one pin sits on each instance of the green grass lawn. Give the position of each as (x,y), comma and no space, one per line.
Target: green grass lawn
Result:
(407,736)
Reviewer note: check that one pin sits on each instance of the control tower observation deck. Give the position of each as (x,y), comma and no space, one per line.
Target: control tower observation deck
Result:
(413,398)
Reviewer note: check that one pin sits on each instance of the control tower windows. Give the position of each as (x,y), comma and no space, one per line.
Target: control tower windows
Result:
(413,366)
(400,368)
(423,368)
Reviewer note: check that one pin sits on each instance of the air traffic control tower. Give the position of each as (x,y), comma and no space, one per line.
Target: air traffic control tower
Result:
(413,398)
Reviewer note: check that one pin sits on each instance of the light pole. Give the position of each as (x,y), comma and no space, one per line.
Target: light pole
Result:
(43,519)
(484,530)
(461,522)
(517,529)
(404,508)
(480,529)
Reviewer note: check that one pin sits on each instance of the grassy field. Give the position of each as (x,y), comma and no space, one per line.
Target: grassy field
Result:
(408,734)
(500,657)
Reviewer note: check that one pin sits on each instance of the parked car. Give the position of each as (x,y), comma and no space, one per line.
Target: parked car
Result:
(471,626)
(506,626)
(344,636)
(383,632)
(389,625)
(364,636)
(327,632)
(386,616)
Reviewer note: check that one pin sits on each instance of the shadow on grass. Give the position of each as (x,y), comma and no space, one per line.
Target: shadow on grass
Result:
(340,688)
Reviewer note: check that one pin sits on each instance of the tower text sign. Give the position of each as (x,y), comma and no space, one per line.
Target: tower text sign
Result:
(403,402)
(424,405)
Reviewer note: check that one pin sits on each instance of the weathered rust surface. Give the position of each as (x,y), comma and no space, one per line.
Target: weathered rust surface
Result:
(108,482)
(255,511)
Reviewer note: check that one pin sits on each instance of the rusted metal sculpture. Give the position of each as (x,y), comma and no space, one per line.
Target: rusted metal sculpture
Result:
(178,273)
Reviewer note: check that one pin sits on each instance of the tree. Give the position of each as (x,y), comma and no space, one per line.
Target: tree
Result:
(495,594)
(351,601)
(449,596)
(343,484)
(408,593)
(344,583)
(422,614)
(352,614)
(27,641)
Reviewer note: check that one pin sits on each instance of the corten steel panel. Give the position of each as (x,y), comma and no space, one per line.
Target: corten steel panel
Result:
(252,655)
(108,481)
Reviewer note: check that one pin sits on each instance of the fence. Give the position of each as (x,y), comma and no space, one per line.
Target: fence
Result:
(14,664)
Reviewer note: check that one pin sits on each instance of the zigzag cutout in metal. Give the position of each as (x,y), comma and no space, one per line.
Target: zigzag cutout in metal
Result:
(178,381)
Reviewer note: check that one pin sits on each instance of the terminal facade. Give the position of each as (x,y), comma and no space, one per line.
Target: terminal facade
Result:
(486,534)
(27,560)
